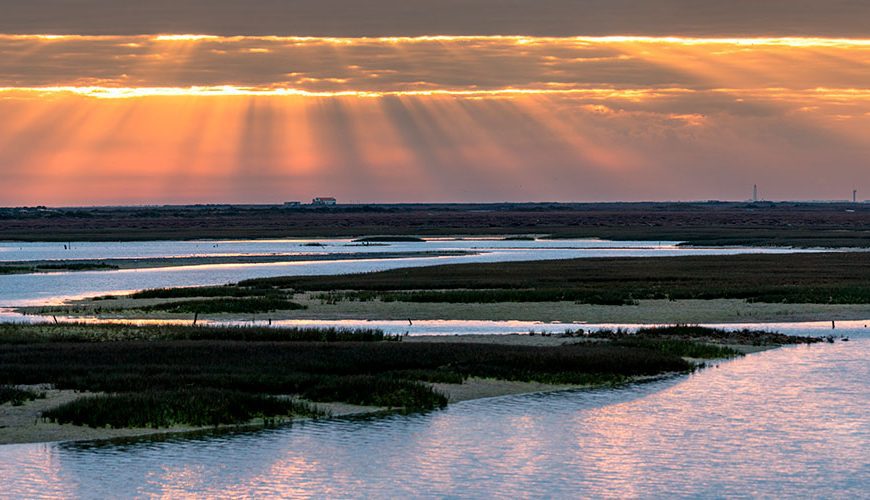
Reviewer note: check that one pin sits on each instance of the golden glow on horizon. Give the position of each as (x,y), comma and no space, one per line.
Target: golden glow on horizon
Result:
(183,38)
(635,95)
(517,39)
(229,90)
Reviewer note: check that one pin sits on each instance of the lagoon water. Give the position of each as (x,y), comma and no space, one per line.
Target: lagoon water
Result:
(791,422)
(786,423)
(33,289)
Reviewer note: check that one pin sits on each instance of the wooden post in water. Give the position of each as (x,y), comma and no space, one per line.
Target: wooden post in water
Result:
(195,317)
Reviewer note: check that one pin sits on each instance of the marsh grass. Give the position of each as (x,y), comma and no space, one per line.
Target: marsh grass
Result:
(204,291)
(599,297)
(195,407)
(158,376)
(822,278)
(227,305)
(18,396)
(717,223)
(50,268)
(383,374)
(701,335)
(390,239)
(12,333)
(682,348)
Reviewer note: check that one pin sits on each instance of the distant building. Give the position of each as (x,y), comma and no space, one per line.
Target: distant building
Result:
(323,201)
(292,204)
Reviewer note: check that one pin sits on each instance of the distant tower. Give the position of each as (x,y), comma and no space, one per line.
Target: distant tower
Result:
(754,193)
(854,196)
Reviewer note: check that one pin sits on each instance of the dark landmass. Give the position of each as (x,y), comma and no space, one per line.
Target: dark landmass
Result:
(201,291)
(803,278)
(162,376)
(17,396)
(55,267)
(14,333)
(249,305)
(700,334)
(711,223)
(389,239)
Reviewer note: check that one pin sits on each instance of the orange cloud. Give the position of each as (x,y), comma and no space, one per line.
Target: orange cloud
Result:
(191,118)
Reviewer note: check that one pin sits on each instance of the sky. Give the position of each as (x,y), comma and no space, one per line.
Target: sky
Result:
(173,102)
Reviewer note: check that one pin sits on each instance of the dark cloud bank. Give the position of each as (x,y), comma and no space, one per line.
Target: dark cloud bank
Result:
(830,18)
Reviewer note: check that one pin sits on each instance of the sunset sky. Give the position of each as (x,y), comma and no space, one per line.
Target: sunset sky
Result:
(114,102)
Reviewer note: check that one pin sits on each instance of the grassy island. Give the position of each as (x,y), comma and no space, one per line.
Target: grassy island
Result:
(819,278)
(44,267)
(162,376)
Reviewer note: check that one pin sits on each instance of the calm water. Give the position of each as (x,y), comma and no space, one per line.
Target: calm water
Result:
(791,422)
(14,251)
(33,289)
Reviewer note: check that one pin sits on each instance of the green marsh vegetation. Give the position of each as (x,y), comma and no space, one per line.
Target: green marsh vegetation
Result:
(196,407)
(54,268)
(822,278)
(390,239)
(167,375)
(710,223)
(204,291)
(694,340)
(682,348)
(226,305)
(17,395)
(29,334)
(215,300)
(601,297)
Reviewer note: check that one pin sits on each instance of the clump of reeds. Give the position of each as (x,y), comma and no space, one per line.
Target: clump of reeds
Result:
(384,374)
(227,305)
(700,334)
(834,278)
(48,268)
(17,333)
(17,395)
(165,408)
(204,291)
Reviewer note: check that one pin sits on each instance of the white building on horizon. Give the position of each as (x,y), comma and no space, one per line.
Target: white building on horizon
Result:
(323,201)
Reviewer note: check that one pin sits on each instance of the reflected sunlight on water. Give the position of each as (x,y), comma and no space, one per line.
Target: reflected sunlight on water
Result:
(782,423)
(51,288)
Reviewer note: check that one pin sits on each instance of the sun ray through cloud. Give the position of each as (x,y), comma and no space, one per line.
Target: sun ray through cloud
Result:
(368,117)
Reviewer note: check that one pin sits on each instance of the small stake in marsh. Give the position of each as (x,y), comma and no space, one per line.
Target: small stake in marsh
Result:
(195,317)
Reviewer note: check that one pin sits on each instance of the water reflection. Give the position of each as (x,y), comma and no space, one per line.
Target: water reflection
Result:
(782,423)
(845,328)
(23,251)
(52,288)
